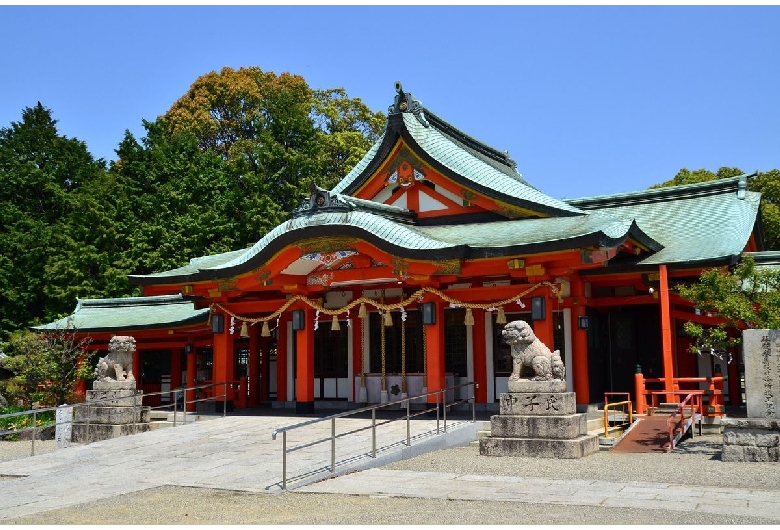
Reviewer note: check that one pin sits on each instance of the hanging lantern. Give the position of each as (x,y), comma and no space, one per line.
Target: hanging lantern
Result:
(501,317)
(388,319)
(244,330)
(469,321)
(335,326)
(265,332)
(362,312)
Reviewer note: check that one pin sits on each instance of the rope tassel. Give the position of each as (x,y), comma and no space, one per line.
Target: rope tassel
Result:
(469,321)
(265,332)
(388,319)
(501,317)
(335,326)
(362,312)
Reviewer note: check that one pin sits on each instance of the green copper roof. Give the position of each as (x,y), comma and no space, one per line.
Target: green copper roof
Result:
(463,159)
(694,223)
(127,314)
(462,241)
(195,265)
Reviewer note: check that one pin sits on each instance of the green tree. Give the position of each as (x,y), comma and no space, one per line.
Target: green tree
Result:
(180,201)
(276,135)
(46,366)
(767,183)
(40,172)
(745,296)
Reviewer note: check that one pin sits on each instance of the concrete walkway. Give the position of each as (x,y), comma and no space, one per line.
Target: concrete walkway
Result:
(238,454)
(235,453)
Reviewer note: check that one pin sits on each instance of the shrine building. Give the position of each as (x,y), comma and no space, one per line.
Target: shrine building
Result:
(398,281)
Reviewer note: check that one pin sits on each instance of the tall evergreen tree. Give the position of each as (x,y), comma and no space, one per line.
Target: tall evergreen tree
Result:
(40,171)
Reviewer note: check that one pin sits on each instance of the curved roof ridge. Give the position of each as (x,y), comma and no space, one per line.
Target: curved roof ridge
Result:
(484,177)
(164,299)
(501,157)
(650,195)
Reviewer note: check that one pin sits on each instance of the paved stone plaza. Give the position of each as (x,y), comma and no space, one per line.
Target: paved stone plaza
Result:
(228,471)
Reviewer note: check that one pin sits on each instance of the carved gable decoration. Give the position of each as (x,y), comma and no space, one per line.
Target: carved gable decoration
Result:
(404,172)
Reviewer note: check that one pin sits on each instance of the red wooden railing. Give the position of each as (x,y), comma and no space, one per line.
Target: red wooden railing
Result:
(713,392)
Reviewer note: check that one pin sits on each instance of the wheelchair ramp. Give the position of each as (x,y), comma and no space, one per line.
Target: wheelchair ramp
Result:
(648,435)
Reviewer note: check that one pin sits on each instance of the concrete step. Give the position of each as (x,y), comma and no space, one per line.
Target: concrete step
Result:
(159,419)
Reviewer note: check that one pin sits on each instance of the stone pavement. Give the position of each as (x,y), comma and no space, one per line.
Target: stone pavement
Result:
(237,453)
(571,492)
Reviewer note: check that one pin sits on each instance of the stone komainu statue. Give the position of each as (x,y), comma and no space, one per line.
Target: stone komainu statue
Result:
(528,352)
(118,364)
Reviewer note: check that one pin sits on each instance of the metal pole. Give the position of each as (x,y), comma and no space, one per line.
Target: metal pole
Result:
(224,402)
(135,404)
(373,433)
(444,407)
(88,414)
(408,436)
(284,460)
(437,412)
(333,445)
(175,405)
(473,403)
(35,430)
(184,421)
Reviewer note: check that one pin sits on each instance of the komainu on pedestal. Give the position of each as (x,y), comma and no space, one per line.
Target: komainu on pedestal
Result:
(537,417)
(118,410)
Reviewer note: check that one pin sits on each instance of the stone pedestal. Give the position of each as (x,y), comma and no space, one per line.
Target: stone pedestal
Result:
(751,440)
(539,419)
(757,438)
(118,412)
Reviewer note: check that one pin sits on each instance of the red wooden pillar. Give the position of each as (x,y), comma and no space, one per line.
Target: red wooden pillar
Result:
(434,343)
(666,334)
(579,339)
(255,380)
(191,373)
(543,329)
(304,359)
(223,364)
(479,348)
(281,357)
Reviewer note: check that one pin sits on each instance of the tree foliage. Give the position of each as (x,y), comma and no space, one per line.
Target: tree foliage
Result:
(276,135)
(745,296)
(41,175)
(767,183)
(47,365)
(229,161)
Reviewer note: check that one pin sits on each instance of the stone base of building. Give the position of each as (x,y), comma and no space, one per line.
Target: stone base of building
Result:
(751,440)
(539,422)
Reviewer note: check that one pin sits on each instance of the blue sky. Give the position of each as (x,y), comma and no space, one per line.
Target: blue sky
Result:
(587,100)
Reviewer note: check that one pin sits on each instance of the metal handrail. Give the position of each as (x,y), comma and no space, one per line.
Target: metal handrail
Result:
(680,425)
(373,408)
(614,405)
(136,406)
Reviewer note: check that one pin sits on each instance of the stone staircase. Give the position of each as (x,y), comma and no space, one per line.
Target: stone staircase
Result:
(159,419)
(483,432)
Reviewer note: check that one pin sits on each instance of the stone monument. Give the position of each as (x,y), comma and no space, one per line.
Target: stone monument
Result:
(537,417)
(757,437)
(118,409)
